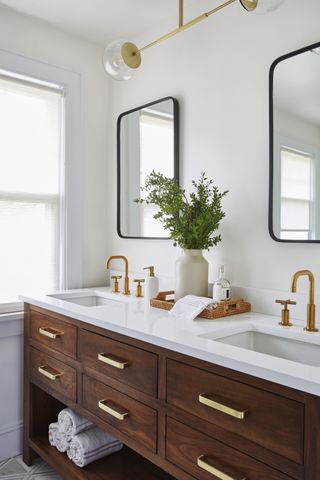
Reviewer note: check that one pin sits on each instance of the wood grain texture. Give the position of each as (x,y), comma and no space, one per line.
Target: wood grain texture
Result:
(124,465)
(141,421)
(185,445)
(141,371)
(66,384)
(267,413)
(42,401)
(66,343)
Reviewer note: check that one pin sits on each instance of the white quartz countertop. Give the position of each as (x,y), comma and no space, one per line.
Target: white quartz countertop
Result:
(133,318)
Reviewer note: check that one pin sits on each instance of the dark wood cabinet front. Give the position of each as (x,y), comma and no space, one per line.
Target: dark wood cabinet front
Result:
(54,333)
(201,456)
(132,366)
(122,412)
(247,411)
(179,417)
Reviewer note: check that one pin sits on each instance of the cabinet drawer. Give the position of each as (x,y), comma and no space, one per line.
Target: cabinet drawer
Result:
(272,421)
(54,333)
(130,365)
(121,411)
(208,459)
(57,375)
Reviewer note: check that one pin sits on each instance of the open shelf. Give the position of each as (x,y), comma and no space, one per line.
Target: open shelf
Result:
(123,465)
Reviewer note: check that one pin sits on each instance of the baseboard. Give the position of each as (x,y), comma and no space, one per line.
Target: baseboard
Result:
(10,440)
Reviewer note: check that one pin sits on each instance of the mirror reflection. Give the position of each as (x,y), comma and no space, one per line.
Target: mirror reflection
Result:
(147,141)
(295,146)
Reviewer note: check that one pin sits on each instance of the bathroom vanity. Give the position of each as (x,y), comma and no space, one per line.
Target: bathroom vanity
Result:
(184,405)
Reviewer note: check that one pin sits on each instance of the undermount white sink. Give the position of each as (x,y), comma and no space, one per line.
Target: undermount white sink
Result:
(302,347)
(92,298)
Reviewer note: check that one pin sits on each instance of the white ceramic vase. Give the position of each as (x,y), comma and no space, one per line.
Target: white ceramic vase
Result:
(191,274)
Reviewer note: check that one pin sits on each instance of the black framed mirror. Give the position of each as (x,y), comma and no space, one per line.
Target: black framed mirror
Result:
(147,140)
(294,193)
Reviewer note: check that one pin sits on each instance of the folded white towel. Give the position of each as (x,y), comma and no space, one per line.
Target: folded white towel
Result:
(61,440)
(53,428)
(189,307)
(88,446)
(71,423)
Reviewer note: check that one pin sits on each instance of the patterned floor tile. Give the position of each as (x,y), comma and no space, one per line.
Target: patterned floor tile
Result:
(42,467)
(15,469)
(46,476)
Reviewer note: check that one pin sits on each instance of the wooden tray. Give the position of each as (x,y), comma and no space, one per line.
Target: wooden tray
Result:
(223,309)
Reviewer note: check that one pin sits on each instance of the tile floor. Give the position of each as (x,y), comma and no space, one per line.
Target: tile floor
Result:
(15,469)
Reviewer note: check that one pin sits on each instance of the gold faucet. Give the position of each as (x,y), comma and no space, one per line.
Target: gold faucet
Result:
(126,290)
(311,308)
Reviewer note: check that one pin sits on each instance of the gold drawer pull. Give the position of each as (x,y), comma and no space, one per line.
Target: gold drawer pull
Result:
(49,372)
(50,332)
(106,408)
(103,357)
(216,404)
(216,472)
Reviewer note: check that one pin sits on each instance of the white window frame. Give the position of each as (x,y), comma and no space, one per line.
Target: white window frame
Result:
(71,201)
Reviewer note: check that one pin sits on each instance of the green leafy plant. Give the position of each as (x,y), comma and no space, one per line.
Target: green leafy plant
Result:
(191,220)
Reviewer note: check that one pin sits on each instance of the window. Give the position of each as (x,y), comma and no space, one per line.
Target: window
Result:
(297,178)
(156,128)
(31,160)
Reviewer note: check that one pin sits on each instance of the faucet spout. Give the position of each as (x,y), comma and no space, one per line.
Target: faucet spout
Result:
(311,308)
(126,289)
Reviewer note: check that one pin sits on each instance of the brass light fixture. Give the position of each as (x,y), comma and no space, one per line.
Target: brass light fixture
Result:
(121,58)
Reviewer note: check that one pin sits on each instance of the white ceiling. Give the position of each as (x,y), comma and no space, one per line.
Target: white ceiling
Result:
(99,20)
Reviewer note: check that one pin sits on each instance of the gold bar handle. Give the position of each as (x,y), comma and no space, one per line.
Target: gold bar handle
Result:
(216,403)
(111,411)
(49,372)
(50,332)
(103,357)
(216,471)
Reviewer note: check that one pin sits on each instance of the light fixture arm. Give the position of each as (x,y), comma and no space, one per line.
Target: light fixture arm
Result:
(121,58)
(184,26)
(181,13)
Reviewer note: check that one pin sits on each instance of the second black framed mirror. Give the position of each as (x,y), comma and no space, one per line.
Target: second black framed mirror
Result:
(147,140)
(294,196)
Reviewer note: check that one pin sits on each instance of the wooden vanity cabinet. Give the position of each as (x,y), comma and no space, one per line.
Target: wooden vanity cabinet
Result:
(182,418)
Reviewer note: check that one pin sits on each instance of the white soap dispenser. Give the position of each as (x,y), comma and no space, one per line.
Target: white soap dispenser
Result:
(151,285)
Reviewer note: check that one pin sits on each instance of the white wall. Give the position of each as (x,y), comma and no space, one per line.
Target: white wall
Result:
(219,70)
(36,39)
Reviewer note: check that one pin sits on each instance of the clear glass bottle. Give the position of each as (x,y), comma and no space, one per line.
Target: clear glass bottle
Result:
(221,287)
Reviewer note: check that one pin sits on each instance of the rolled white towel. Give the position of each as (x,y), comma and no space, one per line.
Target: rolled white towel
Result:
(61,440)
(71,423)
(88,446)
(53,427)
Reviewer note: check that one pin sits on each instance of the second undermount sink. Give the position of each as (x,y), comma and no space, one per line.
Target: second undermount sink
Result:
(301,348)
(92,298)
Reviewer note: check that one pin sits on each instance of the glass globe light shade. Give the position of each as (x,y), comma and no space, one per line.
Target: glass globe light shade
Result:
(261,6)
(114,62)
